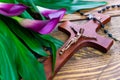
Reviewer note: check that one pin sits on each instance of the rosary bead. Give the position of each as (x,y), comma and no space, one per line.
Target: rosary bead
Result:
(105,31)
(118,5)
(99,11)
(107,7)
(113,6)
(81,13)
(110,35)
(103,9)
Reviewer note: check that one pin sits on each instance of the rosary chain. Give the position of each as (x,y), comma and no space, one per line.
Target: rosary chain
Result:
(102,26)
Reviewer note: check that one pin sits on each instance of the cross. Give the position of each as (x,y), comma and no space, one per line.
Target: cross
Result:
(79,36)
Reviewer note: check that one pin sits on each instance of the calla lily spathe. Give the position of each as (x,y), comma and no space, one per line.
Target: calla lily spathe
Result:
(8,9)
(51,13)
(43,26)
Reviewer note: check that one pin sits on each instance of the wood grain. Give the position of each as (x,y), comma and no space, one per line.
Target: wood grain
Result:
(90,64)
(90,28)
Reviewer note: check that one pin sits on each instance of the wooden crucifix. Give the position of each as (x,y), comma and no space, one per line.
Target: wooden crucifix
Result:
(79,36)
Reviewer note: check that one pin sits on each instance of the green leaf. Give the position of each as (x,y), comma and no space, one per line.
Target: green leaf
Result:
(32,6)
(27,36)
(54,47)
(70,5)
(35,41)
(56,42)
(7,1)
(16,59)
(25,14)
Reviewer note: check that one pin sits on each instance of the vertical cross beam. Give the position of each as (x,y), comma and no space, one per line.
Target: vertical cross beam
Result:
(90,28)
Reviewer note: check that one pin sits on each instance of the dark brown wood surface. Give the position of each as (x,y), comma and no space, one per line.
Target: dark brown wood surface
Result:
(90,28)
(89,63)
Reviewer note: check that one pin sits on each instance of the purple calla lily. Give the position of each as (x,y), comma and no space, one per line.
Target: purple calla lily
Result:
(51,13)
(8,9)
(45,11)
(43,26)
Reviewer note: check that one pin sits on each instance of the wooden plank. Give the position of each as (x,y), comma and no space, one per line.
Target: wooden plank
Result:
(90,64)
(90,29)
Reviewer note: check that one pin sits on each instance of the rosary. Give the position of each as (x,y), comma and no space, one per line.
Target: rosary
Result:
(81,31)
(90,16)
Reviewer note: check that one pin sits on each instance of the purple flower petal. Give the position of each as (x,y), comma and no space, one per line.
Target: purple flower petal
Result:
(51,13)
(11,9)
(42,27)
(45,26)
(60,13)
(35,25)
(49,26)
(45,11)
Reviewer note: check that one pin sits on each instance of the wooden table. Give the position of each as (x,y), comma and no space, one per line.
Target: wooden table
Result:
(90,64)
